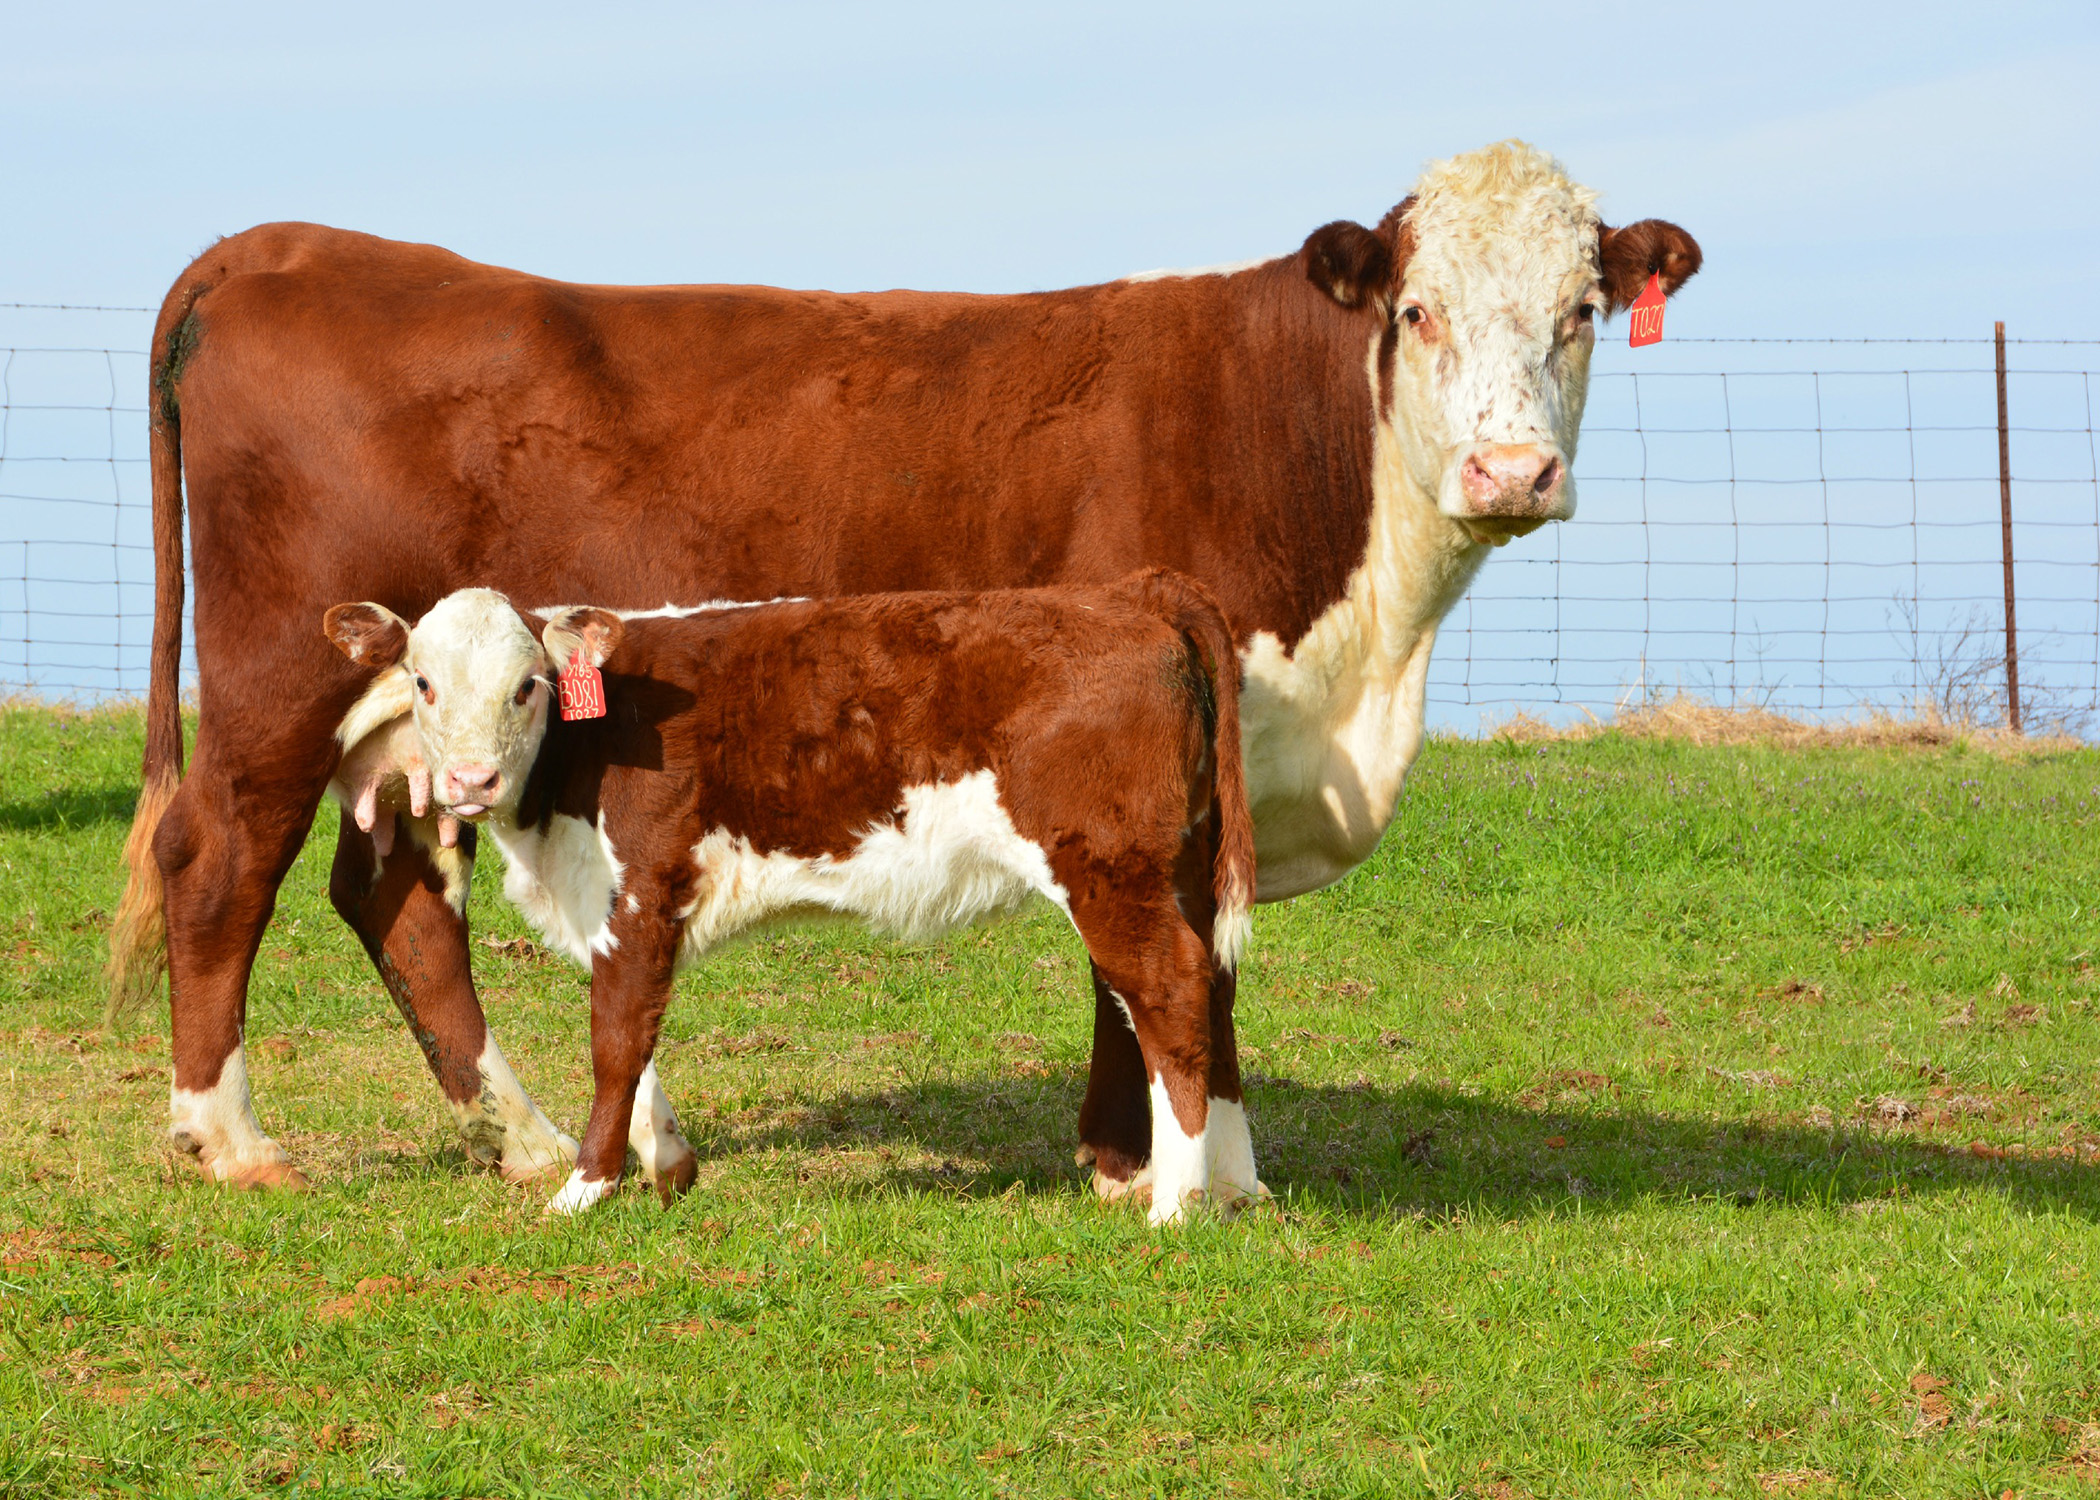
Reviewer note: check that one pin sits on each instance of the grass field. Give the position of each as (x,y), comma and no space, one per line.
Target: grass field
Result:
(1643,1118)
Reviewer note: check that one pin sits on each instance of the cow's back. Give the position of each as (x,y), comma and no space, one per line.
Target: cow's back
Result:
(368,419)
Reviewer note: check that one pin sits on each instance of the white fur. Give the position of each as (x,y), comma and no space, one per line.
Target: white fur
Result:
(670,611)
(502,1125)
(1232,1174)
(653,1131)
(218,1124)
(957,859)
(1180,1164)
(576,1194)
(387,699)
(563,879)
(1223,268)
(1505,245)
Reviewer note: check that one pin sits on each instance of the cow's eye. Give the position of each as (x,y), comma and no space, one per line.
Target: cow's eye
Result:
(1413,315)
(423,687)
(525,689)
(1587,312)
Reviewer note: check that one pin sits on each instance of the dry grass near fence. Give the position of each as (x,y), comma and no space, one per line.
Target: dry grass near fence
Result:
(1700,722)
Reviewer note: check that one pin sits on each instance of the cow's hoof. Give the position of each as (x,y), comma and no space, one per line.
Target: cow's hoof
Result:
(1174,1211)
(280,1176)
(1232,1200)
(677,1179)
(1136,1188)
(538,1162)
(1084,1156)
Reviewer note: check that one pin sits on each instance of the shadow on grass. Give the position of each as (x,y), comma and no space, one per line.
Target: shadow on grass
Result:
(79,808)
(1422,1150)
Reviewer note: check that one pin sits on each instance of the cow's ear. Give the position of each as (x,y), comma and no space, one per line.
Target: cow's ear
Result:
(1348,262)
(596,632)
(369,634)
(1653,247)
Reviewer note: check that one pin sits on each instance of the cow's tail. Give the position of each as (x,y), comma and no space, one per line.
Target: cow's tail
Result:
(138,934)
(1187,606)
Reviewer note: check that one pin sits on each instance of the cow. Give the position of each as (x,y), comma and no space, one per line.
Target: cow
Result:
(919,761)
(1330,440)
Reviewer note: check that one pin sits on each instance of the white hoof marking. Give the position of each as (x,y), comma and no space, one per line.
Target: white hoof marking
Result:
(577,1194)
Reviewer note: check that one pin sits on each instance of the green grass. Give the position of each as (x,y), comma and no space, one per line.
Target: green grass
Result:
(1642,1117)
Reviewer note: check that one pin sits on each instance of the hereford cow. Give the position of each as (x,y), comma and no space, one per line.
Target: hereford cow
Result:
(919,761)
(1330,441)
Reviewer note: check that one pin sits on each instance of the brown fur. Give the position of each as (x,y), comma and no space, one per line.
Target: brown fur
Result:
(356,418)
(1108,715)
(1652,247)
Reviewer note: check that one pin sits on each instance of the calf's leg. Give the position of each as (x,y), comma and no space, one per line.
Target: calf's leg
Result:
(1115,1119)
(409,910)
(630,987)
(1158,971)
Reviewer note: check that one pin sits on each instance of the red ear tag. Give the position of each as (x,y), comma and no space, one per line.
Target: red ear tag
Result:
(582,690)
(1647,313)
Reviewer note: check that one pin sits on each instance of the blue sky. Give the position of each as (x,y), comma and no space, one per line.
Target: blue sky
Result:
(1850,169)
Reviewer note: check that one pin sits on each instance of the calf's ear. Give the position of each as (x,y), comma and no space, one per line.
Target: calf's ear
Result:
(369,634)
(1653,247)
(596,632)
(1348,262)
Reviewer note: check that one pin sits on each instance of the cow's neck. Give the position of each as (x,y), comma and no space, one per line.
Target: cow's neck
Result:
(1333,724)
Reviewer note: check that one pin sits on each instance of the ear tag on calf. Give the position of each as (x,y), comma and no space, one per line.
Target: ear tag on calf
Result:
(582,690)
(1647,310)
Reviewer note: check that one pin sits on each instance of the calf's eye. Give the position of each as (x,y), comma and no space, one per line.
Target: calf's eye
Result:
(525,689)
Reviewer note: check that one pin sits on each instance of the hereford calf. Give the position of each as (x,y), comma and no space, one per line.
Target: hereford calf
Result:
(917,761)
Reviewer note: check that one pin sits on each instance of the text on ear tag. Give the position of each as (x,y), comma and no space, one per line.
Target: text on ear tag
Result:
(582,690)
(1647,310)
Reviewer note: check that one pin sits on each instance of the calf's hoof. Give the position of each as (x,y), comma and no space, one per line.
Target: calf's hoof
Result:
(578,1194)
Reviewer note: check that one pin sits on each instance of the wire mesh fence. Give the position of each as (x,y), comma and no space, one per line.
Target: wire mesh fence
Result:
(1810,526)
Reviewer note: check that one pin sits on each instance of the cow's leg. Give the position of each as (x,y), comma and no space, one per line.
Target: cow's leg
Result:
(630,987)
(409,909)
(1158,970)
(667,1158)
(1115,1120)
(223,847)
(1232,1159)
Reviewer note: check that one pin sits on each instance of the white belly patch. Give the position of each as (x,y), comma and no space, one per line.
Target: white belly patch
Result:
(956,859)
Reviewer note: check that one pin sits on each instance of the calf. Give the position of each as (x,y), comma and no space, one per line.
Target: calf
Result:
(917,761)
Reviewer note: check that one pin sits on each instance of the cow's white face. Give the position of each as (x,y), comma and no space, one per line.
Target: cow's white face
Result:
(1496,314)
(483,685)
(1490,281)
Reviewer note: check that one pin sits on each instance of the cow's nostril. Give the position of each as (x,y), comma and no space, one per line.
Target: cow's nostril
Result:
(1548,477)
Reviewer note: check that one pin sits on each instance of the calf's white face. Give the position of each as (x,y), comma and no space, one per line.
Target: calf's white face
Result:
(482,684)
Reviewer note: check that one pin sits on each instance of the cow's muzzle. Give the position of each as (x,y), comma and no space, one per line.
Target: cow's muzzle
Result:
(1510,489)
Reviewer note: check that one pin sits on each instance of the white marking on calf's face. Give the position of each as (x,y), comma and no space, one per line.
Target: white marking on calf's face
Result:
(481,698)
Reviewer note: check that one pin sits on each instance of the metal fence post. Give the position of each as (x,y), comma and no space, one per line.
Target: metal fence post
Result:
(2012,634)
